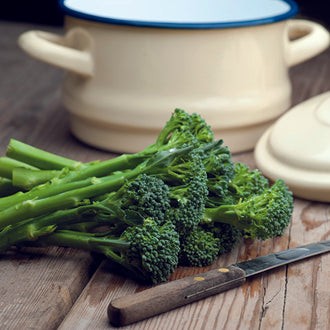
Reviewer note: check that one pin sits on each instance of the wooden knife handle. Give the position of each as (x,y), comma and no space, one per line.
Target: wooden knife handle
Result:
(162,298)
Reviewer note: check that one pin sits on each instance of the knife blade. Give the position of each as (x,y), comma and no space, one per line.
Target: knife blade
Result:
(162,298)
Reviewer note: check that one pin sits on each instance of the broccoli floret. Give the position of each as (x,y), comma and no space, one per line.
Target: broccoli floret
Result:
(149,196)
(228,236)
(201,129)
(183,129)
(144,197)
(149,253)
(187,182)
(200,248)
(246,182)
(153,250)
(220,170)
(187,205)
(261,216)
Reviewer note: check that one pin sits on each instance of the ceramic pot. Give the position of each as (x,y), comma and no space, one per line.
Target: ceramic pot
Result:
(131,63)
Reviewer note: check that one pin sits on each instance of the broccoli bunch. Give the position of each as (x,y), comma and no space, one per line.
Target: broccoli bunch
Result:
(182,201)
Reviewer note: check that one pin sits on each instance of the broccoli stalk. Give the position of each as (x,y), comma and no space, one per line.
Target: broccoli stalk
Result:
(148,252)
(53,190)
(38,158)
(7,165)
(181,131)
(262,216)
(25,179)
(32,229)
(7,188)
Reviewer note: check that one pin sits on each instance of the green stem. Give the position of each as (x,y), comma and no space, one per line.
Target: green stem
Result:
(26,179)
(155,164)
(55,187)
(38,192)
(6,187)
(13,235)
(49,161)
(67,199)
(37,206)
(126,162)
(79,171)
(90,242)
(222,214)
(7,165)
(81,226)
(100,243)
(107,167)
(32,229)
(40,158)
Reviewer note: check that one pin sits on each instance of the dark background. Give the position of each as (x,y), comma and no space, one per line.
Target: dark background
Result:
(47,11)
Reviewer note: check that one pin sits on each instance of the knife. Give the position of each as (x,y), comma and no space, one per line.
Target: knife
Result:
(162,298)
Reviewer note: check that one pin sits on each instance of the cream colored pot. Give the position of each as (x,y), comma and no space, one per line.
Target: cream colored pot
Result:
(128,67)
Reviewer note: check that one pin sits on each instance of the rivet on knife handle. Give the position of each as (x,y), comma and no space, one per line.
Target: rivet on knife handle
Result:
(162,298)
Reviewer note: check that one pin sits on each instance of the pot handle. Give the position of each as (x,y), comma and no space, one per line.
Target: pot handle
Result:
(71,52)
(308,39)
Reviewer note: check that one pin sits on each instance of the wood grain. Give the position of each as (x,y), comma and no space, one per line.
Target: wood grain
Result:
(39,286)
(68,289)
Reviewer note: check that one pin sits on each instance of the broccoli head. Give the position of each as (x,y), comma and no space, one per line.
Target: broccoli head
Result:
(143,197)
(187,199)
(201,130)
(228,236)
(261,216)
(220,170)
(153,251)
(198,249)
(246,182)
(183,129)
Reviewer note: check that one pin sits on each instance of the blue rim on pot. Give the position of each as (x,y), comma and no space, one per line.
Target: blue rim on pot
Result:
(183,14)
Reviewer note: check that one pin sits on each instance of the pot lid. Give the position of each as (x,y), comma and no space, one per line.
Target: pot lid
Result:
(194,14)
(297,149)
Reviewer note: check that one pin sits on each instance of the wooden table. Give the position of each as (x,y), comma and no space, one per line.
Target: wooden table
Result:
(68,289)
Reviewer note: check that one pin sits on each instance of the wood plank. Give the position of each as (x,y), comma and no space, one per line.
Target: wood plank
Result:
(39,286)
(233,309)
(308,287)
